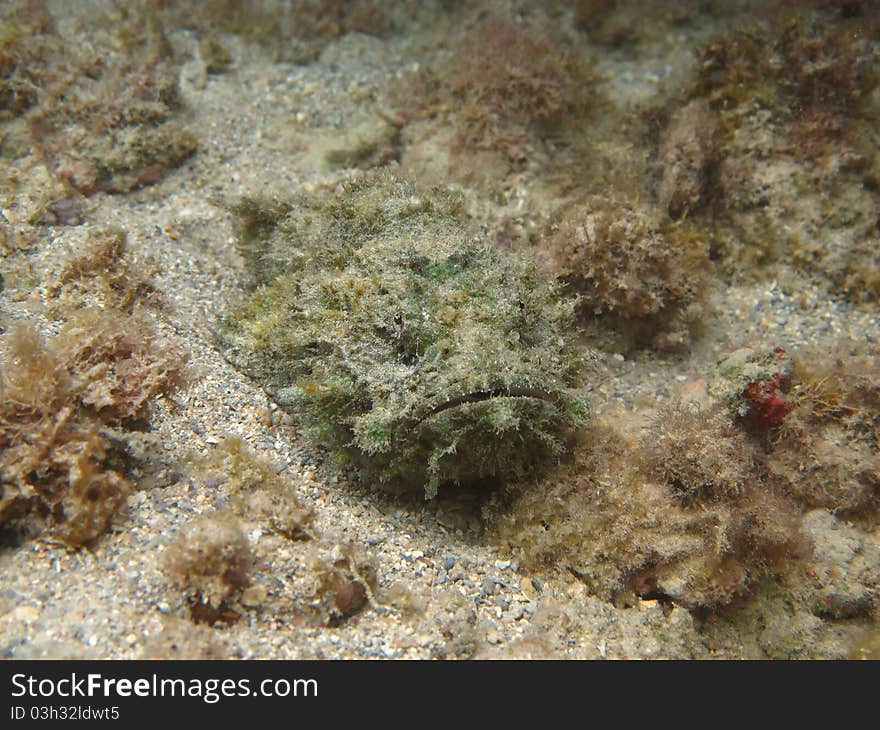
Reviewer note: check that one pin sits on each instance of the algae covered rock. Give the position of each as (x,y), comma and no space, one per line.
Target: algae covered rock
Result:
(636,273)
(102,105)
(403,342)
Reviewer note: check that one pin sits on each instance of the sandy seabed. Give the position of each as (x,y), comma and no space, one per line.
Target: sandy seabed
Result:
(445,585)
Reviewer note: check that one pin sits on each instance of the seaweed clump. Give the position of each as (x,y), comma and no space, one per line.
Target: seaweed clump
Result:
(680,515)
(115,130)
(815,415)
(101,110)
(827,451)
(211,562)
(405,344)
(23,53)
(216,560)
(507,88)
(255,490)
(722,496)
(642,276)
(106,274)
(64,408)
(794,97)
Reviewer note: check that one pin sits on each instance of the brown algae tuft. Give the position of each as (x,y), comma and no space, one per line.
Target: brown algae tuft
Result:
(637,273)
(65,407)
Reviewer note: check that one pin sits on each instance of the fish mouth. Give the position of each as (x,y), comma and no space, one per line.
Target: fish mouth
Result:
(479,396)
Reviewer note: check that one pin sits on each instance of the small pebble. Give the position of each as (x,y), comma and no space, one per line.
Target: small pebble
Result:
(26,613)
(254,595)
